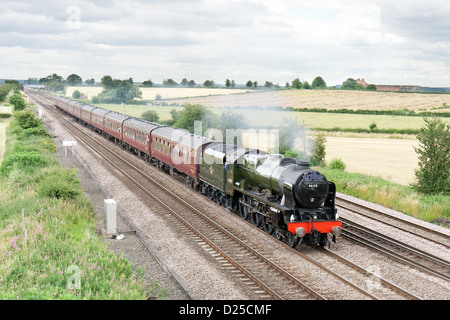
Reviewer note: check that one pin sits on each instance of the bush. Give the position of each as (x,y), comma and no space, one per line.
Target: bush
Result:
(27,119)
(150,115)
(36,131)
(23,160)
(76,94)
(17,101)
(60,184)
(337,164)
(318,158)
(433,175)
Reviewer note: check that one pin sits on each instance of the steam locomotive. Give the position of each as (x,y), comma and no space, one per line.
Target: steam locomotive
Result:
(282,196)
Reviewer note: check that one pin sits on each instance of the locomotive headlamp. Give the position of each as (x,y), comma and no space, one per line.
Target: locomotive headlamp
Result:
(337,231)
(300,232)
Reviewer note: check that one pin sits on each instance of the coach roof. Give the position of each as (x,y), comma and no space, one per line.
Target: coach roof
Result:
(140,124)
(182,137)
(116,116)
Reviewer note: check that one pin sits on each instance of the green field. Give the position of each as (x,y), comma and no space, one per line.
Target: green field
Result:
(271,118)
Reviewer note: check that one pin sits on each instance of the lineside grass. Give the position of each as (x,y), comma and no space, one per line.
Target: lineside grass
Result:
(392,195)
(48,245)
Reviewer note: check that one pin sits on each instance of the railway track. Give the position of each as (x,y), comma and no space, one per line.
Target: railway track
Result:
(395,249)
(258,270)
(255,269)
(402,224)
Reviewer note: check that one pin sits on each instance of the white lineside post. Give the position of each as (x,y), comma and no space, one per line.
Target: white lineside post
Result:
(68,144)
(110,207)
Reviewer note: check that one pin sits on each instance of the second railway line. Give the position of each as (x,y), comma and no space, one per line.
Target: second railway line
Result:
(332,296)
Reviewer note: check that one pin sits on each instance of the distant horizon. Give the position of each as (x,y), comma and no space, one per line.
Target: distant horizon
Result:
(220,84)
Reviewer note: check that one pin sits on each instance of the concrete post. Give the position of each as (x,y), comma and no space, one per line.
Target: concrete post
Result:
(110,207)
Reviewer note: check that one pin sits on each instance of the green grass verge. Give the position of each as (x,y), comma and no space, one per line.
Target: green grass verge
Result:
(398,197)
(48,245)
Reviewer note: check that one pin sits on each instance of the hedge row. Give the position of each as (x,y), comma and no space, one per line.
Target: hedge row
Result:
(362,130)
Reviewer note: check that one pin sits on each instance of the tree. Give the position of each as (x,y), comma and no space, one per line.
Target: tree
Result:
(118,91)
(318,83)
(249,84)
(184,82)
(169,83)
(255,84)
(76,94)
(227,83)
(50,78)
(318,158)
(296,84)
(208,83)
(5,89)
(191,83)
(233,84)
(306,85)
(74,80)
(147,83)
(106,82)
(433,175)
(351,84)
(150,115)
(90,82)
(371,87)
(268,84)
(194,112)
(56,85)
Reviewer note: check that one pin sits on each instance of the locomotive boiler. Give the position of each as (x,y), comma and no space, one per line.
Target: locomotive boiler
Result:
(282,196)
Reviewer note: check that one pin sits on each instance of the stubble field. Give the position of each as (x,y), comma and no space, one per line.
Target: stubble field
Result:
(329,99)
(390,157)
(165,93)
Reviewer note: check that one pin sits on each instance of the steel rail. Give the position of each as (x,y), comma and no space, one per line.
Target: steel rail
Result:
(198,232)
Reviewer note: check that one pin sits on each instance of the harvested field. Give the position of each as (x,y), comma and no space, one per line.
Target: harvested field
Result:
(329,99)
(391,159)
(165,93)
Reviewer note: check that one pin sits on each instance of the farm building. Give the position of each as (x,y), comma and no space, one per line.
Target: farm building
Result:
(382,87)
(386,87)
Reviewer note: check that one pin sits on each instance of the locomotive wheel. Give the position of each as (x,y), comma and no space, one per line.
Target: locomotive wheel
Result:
(290,239)
(268,227)
(276,233)
(323,240)
(257,220)
(243,209)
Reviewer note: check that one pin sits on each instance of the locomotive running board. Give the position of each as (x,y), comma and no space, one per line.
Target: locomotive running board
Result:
(277,205)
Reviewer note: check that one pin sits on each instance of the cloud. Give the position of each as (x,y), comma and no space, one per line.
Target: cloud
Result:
(382,41)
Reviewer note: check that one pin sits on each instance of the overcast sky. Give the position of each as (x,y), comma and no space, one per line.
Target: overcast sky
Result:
(383,41)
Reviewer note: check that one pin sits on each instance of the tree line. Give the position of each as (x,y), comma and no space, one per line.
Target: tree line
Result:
(57,82)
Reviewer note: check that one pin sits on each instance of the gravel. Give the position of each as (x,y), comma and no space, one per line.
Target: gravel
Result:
(199,273)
